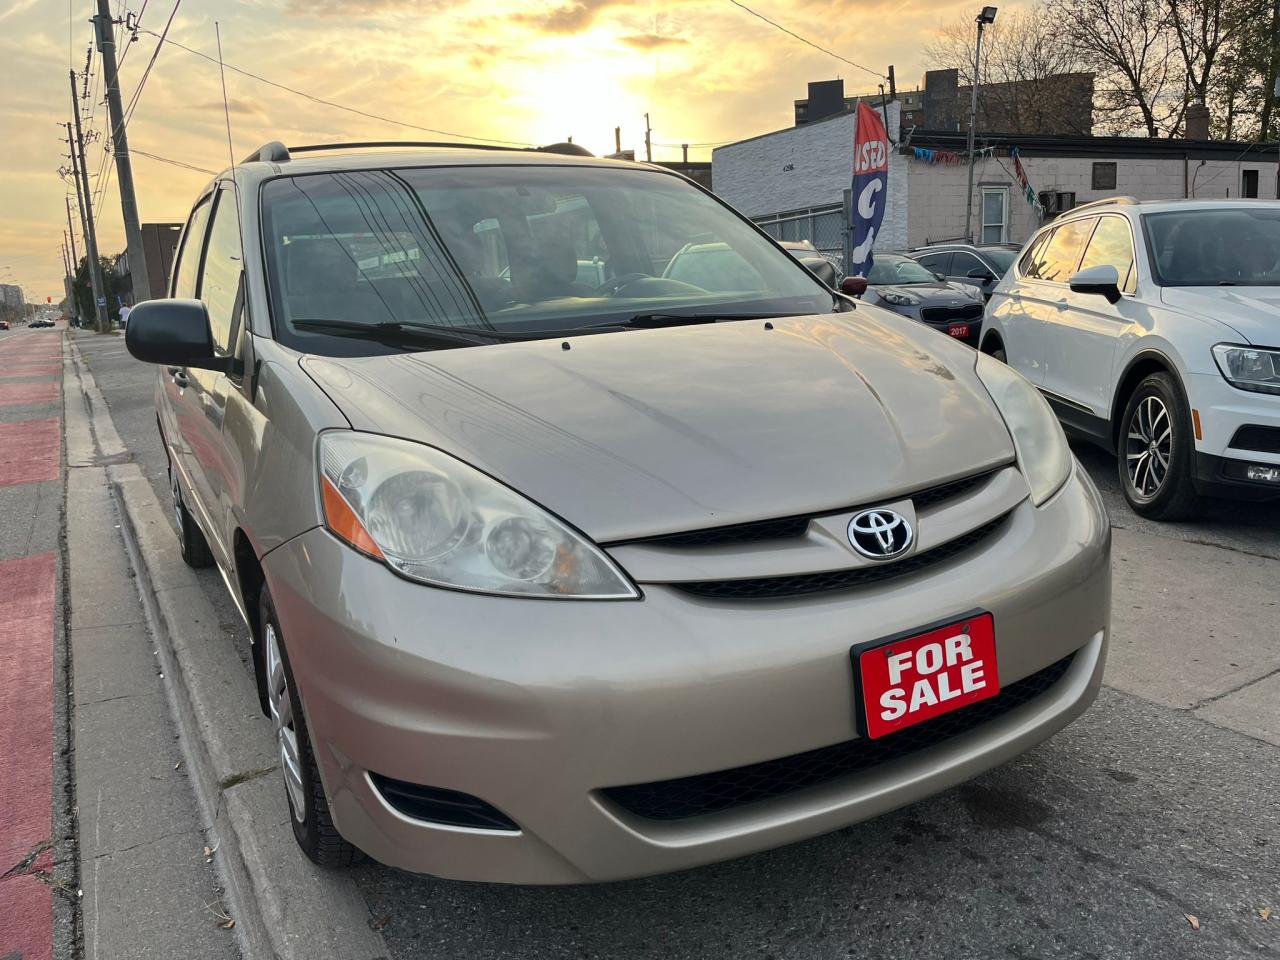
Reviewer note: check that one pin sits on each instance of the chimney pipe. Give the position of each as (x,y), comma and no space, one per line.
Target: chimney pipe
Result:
(1197,122)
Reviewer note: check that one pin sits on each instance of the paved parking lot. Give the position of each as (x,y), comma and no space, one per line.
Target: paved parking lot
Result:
(1159,804)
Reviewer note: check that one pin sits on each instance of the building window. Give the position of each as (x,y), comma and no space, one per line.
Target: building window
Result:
(1249,184)
(1104,176)
(995,214)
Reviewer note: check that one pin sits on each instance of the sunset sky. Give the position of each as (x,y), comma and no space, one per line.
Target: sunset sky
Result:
(533,71)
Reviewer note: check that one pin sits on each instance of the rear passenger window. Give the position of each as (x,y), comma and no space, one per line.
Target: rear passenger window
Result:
(1112,245)
(188,266)
(1029,265)
(1060,256)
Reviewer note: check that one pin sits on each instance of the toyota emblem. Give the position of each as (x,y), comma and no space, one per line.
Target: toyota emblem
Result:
(880,534)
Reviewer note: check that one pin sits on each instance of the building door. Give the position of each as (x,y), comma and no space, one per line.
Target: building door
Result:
(1249,184)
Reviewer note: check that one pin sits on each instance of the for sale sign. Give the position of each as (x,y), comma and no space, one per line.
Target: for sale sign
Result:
(908,681)
(870,184)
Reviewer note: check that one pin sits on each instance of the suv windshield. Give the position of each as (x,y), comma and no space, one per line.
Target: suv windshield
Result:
(1195,248)
(1002,257)
(893,269)
(517,251)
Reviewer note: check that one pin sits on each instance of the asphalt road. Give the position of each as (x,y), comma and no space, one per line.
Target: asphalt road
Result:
(1096,844)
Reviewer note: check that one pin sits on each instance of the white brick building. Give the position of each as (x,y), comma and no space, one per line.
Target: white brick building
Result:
(793,181)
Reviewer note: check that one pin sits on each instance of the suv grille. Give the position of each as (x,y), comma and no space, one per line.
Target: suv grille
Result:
(971,311)
(727,789)
(795,585)
(783,528)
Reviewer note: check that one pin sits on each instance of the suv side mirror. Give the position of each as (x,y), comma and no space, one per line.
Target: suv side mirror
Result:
(854,286)
(173,332)
(1103,280)
(821,268)
(981,273)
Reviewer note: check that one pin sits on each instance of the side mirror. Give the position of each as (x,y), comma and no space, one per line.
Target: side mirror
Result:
(173,332)
(981,273)
(821,268)
(854,286)
(1103,280)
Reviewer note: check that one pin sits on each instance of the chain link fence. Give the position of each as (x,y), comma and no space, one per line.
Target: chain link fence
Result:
(824,227)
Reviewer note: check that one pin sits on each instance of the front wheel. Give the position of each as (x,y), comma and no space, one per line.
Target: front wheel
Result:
(1156,452)
(313,826)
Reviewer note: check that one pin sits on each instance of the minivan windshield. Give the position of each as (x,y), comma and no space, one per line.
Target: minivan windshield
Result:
(510,252)
(1228,246)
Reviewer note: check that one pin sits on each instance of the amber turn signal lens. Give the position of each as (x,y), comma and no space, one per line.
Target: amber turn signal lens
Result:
(342,520)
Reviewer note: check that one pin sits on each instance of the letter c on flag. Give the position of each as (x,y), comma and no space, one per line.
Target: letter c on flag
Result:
(866,199)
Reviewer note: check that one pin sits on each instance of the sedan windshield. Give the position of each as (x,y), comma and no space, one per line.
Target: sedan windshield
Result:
(893,269)
(510,252)
(1222,247)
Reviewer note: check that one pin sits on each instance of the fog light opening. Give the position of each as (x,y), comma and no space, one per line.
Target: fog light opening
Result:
(1260,472)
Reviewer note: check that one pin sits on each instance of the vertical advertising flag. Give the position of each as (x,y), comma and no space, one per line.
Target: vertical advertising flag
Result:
(870,185)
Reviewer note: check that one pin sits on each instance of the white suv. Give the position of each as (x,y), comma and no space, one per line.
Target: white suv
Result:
(1153,329)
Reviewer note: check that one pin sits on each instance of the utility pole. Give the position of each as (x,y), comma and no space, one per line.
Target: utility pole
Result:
(71,233)
(648,144)
(684,148)
(893,84)
(120,147)
(617,139)
(988,15)
(86,208)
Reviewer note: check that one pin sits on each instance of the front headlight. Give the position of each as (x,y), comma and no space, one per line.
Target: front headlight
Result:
(434,519)
(1041,446)
(898,299)
(1249,368)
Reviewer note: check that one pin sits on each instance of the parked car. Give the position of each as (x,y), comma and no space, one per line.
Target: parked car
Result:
(1152,330)
(979,265)
(898,283)
(554,588)
(4,324)
(41,322)
(808,254)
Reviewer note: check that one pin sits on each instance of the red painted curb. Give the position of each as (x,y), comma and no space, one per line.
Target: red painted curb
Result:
(17,393)
(26,755)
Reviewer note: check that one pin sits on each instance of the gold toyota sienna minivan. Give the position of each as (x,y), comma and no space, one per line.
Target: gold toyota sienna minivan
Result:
(566,564)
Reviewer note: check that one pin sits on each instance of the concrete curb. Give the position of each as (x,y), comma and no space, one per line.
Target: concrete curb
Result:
(284,906)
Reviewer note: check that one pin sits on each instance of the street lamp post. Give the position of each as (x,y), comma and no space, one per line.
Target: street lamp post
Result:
(988,15)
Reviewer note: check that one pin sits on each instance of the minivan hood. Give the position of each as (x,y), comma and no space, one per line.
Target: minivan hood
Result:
(639,433)
(1252,312)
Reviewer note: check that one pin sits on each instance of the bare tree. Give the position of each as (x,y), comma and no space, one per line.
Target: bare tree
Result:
(1031,79)
(1134,53)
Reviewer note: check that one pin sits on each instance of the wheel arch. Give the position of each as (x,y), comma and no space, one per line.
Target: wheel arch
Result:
(250,577)
(1140,366)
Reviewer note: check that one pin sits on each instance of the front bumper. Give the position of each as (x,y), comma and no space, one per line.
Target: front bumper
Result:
(537,706)
(1220,465)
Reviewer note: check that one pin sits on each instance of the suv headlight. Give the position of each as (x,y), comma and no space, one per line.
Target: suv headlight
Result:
(1043,455)
(1249,368)
(432,518)
(899,299)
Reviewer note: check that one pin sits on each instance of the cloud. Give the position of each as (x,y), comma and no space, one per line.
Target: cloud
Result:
(572,17)
(651,41)
(236,105)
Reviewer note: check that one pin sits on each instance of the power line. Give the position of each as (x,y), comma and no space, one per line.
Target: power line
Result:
(176,163)
(793,34)
(338,106)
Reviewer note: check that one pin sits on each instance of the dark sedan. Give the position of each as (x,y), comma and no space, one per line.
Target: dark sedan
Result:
(902,285)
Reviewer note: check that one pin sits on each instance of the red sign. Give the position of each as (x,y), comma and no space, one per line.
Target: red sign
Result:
(959,330)
(870,142)
(908,681)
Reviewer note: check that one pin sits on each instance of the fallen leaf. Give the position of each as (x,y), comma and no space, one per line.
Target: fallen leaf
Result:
(1265,913)
(379,922)
(1193,920)
(208,851)
(228,925)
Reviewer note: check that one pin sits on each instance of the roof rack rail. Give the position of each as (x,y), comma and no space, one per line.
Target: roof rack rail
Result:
(274,152)
(277,152)
(1105,202)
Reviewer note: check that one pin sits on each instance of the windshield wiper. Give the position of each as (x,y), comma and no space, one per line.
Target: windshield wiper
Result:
(654,321)
(399,334)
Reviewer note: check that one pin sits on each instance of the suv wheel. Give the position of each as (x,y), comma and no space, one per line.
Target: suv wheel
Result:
(1156,452)
(195,548)
(312,823)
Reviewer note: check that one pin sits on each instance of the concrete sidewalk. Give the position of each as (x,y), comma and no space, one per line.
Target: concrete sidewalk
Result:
(217,741)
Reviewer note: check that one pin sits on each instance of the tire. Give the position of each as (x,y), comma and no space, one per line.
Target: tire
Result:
(1155,453)
(994,348)
(195,548)
(304,792)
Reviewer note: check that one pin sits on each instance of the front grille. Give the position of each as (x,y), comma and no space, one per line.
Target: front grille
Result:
(437,805)
(783,528)
(969,312)
(797,585)
(1259,439)
(728,789)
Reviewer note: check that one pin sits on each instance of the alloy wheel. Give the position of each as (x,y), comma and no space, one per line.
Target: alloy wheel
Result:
(281,704)
(177,498)
(1149,447)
